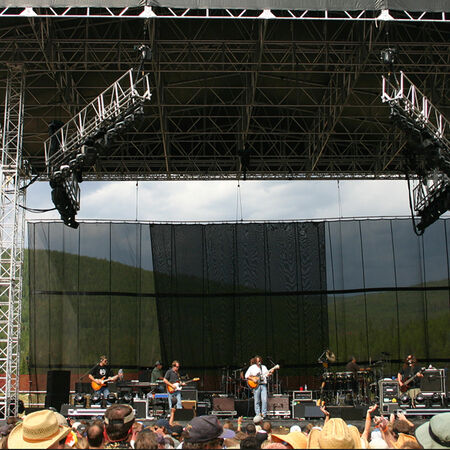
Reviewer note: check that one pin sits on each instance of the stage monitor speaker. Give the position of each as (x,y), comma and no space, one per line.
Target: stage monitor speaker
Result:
(307,411)
(278,403)
(347,412)
(223,404)
(141,407)
(245,408)
(184,414)
(190,394)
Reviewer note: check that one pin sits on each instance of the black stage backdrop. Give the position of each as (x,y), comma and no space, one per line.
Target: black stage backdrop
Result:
(218,288)
(214,295)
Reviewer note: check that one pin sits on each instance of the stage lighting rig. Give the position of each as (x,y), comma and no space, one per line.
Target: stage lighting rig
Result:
(76,145)
(427,150)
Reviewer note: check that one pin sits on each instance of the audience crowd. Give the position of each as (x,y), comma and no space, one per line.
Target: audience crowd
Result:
(119,429)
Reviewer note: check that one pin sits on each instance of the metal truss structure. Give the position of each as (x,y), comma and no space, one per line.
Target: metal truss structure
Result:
(301,97)
(298,90)
(12,228)
(224,13)
(429,147)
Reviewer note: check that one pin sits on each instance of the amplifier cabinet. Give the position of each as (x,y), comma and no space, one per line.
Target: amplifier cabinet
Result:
(277,403)
(223,404)
(433,381)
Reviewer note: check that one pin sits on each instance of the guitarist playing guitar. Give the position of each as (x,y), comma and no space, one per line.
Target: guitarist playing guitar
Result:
(172,380)
(257,375)
(409,378)
(100,375)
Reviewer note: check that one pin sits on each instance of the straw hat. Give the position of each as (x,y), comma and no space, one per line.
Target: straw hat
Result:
(355,435)
(313,438)
(296,439)
(335,434)
(38,430)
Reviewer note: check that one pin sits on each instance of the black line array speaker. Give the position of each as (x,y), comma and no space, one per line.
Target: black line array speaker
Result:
(58,388)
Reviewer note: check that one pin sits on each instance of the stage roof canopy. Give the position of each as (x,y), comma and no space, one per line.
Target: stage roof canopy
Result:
(299,92)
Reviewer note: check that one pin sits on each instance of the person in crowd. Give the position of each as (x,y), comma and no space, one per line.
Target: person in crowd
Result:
(38,430)
(409,378)
(118,422)
(250,442)
(162,427)
(205,432)
(435,433)
(94,434)
(146,439)
(250,429)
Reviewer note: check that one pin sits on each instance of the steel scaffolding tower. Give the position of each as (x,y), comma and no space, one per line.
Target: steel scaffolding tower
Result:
(12,228)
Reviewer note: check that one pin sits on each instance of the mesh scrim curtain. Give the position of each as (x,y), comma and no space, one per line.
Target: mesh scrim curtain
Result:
(227,292)
(91,293)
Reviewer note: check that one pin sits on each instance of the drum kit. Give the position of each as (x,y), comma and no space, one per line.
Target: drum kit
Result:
(347,388)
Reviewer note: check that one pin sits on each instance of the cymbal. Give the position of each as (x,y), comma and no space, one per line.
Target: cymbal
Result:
(330,356)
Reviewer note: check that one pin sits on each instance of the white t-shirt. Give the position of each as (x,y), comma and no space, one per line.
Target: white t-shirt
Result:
(255,371)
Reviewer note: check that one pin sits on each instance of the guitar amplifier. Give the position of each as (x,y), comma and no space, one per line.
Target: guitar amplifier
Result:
(189,394)
(433,381)
(302,396)
(278,405)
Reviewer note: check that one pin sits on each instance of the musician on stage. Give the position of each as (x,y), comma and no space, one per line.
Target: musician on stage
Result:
(352,366)
(102,374)
(408,371)
(172,378)
(258,371)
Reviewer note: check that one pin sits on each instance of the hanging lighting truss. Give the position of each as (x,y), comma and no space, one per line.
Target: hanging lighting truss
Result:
(428,149)
(74,146)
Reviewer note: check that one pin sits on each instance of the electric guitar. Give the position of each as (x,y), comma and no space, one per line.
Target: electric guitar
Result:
(404,387)
(97,386)
(179,385)
(253,381)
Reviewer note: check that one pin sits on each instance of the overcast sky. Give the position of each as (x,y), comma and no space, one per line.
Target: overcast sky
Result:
(224,201)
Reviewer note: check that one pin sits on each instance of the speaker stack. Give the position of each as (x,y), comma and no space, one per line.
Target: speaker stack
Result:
(58,388)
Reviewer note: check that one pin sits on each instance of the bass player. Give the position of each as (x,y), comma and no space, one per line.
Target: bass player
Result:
(409,378)
(100,375)
(258,372)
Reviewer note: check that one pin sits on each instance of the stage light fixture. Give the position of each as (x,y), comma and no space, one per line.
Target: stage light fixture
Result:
(405,401)
(96,398)
(436,400)
(420,401)
(127,398)
(388,57)
(80,399)
(111,398)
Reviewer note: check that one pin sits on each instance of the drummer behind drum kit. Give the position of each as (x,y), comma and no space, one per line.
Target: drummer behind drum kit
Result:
(346,388)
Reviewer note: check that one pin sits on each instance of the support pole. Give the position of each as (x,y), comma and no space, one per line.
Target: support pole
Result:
(12,230)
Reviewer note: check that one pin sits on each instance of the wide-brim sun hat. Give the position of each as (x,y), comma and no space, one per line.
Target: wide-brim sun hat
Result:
(38,430)
(435,433)
(296,439)
(335,434)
